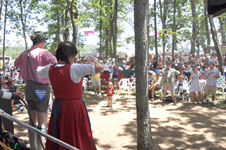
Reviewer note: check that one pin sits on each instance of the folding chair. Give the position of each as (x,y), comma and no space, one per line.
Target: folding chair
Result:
(221,85)
(124,84)
(121,75)
(105,79)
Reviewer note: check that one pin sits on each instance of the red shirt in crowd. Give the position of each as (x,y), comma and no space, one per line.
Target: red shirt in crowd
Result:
(110,91)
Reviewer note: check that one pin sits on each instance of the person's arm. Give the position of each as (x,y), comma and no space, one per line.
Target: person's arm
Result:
(177,72)
(43,71)
(98,67)
(120,68)
(200,75)
(217,75)
(18,61)
(191,76)
(49,58)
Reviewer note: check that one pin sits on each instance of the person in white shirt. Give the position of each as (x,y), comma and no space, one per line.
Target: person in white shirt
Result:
(106,68)
(185,58)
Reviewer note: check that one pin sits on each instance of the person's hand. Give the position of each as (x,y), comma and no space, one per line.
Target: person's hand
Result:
(213,75)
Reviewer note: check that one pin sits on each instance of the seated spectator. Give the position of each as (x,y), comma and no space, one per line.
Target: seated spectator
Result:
(181,86)
(155,85)
(187,73)
(3,86)
(150,77)
(9,82)
(131,79)
(106,68)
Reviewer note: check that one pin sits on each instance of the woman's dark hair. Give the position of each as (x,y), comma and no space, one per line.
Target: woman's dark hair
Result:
(66,50)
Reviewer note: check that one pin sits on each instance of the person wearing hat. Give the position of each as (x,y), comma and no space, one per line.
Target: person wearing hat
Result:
(38,101)
(168,75)
(181,86)
(155,84)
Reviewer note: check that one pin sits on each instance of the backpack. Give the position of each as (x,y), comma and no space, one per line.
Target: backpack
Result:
(169,99)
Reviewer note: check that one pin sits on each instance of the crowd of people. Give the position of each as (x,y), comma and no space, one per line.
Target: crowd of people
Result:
(39,68)
(187,74)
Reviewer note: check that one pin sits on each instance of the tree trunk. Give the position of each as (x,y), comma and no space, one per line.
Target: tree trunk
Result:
(163,18)
(216,43)
(207,28)
(222,31)
(1,9)
(4,32)
(100,31)
(144,137)
(112,30)
(174,29)
(73,6)
(115,29)
(156,44)
(22,22)
(197,41)
(58,27)
(107,43)
(66,24)
(194,30)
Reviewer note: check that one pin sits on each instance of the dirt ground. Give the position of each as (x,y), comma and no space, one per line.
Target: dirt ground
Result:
(184,126)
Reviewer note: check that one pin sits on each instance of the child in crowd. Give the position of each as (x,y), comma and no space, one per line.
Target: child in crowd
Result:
(110,90)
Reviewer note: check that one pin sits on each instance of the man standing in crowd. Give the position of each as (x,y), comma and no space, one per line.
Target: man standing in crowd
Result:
(168,79)
(35,88)
(212,75)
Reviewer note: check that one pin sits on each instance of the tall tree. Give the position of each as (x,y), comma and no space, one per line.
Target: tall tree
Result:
(217,45)
(174,29)
(194,27)
(163,13)
(115,28)
(1,5)
(23,20)
(4,33)
(100,29)
(207,27)
(144,138)
(156,44)
(66,23)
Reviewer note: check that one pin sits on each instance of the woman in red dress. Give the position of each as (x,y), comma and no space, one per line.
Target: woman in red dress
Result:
(69,120)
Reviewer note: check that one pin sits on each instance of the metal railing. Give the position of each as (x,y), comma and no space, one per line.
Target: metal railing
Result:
(31,128)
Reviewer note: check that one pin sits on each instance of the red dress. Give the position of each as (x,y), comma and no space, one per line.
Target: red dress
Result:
(69,121)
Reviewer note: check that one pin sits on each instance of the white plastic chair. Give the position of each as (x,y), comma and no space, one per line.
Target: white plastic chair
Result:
(84,84)
(124,84)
